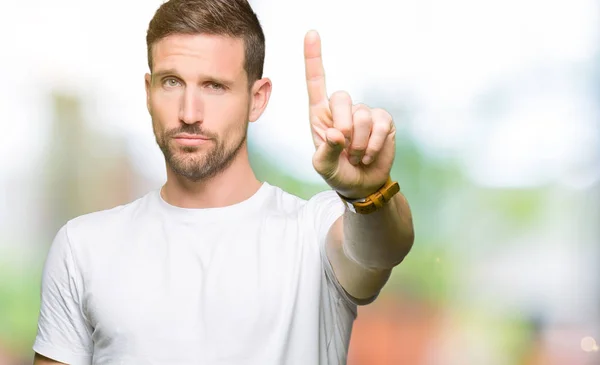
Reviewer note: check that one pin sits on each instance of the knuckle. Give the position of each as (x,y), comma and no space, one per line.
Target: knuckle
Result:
(359,149)
(380,131)
(373,148)
(346,129)
(371,152)
(375,144)
(382,112)
(362,116)
(382,126)
(361,108)
(382,116)
(340,96)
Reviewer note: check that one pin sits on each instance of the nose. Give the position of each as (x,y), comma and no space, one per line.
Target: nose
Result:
(190,111)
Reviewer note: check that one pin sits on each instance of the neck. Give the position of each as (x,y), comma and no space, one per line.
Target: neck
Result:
(231,186)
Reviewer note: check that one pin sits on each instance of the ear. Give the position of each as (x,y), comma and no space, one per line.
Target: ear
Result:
(259,98)
(148,82)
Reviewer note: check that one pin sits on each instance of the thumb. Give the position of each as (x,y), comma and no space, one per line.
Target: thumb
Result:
(327,156)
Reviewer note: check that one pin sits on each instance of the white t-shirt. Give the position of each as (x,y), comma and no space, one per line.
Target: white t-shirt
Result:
(151,283)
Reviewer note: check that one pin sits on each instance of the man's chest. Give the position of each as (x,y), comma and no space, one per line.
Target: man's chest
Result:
(184,295)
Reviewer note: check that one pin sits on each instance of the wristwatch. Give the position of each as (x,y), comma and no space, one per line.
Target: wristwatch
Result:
(374,201)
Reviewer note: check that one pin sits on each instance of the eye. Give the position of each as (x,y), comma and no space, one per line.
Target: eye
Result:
(171,82)
(215,86)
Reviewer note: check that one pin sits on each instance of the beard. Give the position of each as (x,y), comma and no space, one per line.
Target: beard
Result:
(191,162)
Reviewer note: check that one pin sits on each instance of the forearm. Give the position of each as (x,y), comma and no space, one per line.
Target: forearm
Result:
(382,239)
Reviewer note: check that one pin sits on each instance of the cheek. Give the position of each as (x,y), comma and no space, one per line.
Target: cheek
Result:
(164,111)
(227,111)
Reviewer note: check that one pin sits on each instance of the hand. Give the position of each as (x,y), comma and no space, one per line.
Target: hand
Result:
(355,145)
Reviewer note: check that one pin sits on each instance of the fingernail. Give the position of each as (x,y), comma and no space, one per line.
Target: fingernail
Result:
(367,160)
(354,160)
(331,143)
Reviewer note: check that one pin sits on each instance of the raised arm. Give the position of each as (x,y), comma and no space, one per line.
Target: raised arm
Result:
(355,150)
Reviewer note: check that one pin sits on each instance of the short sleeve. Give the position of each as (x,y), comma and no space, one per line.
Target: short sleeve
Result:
(323,210)
(63,333)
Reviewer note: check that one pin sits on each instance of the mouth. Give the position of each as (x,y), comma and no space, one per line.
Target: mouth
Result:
(190,139)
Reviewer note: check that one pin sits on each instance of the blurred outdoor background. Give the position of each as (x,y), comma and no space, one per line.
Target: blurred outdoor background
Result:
(497,103)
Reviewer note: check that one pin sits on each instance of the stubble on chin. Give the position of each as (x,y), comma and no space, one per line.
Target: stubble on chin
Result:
(200,163)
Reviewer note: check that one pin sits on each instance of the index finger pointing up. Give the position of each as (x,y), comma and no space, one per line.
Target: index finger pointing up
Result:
(315,74)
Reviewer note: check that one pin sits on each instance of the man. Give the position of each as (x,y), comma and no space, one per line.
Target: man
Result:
(217,267)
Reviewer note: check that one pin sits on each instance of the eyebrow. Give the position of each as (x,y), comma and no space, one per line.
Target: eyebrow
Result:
(172,72)
(162,73)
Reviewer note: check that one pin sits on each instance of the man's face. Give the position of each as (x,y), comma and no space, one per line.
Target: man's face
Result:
(199,101)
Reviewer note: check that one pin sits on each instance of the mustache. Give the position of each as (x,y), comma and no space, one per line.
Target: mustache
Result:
(194,129)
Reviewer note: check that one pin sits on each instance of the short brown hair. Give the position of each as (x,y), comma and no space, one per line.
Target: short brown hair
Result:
(233,18)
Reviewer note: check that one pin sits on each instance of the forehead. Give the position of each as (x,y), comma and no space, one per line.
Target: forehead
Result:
(200,53)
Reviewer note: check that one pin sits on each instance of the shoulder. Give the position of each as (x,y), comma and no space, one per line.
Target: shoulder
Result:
(323,207)
(282,201)
(325,203)
(101,223)
(285,201)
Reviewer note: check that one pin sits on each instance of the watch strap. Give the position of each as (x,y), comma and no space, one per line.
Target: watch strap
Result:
(374,201)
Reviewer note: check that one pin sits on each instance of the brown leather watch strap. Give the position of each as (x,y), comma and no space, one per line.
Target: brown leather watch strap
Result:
(376,200)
